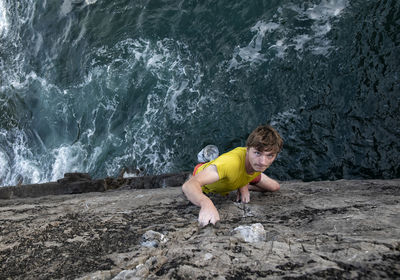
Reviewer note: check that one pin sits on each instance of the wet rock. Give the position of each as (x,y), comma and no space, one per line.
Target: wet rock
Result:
(252,233)
(69,186)
(73,177)
(74,183)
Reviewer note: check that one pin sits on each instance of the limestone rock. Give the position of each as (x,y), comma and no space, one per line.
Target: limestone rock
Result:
(127,275)
(313,230)
(252,233)
(153,238)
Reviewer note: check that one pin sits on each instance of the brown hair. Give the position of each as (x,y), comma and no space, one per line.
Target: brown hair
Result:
(265,138)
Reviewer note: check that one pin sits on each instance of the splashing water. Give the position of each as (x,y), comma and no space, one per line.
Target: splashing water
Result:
(4,25)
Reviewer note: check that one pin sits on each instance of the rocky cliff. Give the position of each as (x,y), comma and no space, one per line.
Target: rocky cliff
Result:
(315,230)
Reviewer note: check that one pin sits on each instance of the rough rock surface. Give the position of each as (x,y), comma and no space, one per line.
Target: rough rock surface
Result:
(74,183)
(317,230)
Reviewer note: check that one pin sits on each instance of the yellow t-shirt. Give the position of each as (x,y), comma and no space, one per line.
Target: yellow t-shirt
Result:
(231,170)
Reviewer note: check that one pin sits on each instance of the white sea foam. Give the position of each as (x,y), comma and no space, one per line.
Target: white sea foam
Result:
(29,170)
(321,14)
(90,2)
(4,167)
(173,93)
(68,159)
(66,7)
(92,161)
(4,25)
(21,161)
(252,52)
(326,9)
(300,41)
(280,48)
(289,35)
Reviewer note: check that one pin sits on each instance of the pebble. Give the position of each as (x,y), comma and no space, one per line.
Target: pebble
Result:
(208,256)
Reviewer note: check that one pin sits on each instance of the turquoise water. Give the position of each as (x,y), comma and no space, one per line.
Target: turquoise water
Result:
(96,86)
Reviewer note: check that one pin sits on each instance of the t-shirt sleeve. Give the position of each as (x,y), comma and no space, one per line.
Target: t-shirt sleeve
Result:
(225,164)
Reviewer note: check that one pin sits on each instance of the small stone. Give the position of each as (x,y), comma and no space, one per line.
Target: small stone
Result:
(153,239)
(208,256)
(98,275)
(252,233)
(126,275)
(142,271)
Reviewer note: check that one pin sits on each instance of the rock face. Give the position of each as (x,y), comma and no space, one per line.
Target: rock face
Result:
(252,233)
(74,183)
(318,230)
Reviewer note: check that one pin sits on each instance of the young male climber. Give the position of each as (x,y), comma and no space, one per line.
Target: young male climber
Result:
(239,169)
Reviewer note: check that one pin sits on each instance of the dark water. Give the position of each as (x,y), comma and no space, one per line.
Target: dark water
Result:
(95,86)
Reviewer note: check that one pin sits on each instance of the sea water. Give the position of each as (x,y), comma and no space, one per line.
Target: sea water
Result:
(98,86)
